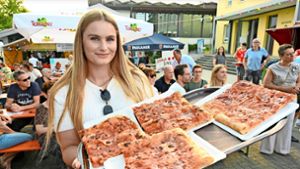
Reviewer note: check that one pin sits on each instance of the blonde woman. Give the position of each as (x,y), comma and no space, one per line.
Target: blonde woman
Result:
(100,80)
(218,75)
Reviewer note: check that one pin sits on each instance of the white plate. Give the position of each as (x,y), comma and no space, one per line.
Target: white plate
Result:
(285,111)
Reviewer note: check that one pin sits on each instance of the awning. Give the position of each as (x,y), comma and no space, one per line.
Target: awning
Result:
(283,35)
(152,43)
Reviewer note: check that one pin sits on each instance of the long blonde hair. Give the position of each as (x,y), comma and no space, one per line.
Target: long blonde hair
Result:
(214,81)
(133,81)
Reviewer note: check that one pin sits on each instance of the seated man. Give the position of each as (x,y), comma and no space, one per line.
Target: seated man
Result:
(22,95)
(183,76)
(163,83)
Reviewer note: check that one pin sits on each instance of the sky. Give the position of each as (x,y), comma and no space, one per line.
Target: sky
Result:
(55,5)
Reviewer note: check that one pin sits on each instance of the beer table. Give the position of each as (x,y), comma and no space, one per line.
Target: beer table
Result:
(221,139)
(30,113)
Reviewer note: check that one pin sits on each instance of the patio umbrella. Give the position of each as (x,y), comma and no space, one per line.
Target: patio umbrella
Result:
(152,43)
(50,27)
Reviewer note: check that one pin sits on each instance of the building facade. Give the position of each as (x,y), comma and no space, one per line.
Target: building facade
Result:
(185,21)
(239,21)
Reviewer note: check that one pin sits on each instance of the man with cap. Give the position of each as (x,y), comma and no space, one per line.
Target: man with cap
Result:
(255,59)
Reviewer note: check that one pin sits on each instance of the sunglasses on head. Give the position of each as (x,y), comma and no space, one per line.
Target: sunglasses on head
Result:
(105,96)
(152,76)
(24,80)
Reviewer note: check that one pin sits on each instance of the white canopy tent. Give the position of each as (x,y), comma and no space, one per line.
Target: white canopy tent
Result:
(61,28)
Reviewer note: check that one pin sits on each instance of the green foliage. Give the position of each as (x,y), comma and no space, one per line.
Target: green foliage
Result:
(207,48)
(192,47)
(8,8)
(153,55)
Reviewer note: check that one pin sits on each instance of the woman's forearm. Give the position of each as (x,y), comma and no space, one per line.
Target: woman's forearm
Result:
(69,154)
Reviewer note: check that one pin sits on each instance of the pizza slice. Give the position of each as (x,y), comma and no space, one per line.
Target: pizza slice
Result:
(169,149)
(245,106)
(101,141)
(168,113)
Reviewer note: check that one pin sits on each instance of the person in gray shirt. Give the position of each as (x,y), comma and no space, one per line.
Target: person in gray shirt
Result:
(220,57)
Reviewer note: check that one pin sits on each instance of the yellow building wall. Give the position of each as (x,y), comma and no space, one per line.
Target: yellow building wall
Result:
(219,41)
(237,5)
(284,19)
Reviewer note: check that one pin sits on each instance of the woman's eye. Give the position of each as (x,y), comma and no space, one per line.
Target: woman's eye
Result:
(111,39)
(95,38)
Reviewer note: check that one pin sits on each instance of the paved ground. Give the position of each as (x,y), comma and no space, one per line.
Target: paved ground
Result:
(257,160)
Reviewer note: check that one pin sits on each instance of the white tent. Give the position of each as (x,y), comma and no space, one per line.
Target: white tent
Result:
(61,28)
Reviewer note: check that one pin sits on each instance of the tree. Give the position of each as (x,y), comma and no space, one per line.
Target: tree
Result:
(8,8)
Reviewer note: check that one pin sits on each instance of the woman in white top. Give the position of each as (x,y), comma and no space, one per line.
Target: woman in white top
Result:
(100,80)
(283,76)
(218,76)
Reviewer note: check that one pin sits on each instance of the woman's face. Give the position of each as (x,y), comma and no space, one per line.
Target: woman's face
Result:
(288,55)
(222,74)
(100,43)
(221,50)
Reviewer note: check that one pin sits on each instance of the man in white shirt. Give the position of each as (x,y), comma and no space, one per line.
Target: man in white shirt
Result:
(183,76)
(183,59)
(33,60)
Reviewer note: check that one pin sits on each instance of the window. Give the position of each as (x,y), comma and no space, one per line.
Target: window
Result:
(167,24)
(207,26)
(226,33)
(270,41)
(229,2)
(297,12)
(179,25)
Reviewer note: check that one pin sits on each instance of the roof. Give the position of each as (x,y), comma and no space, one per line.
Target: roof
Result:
(162,6)
(7,32)
(192,2)
(258,9)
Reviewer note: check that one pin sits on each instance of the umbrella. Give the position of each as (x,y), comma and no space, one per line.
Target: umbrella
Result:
(152,43)
(51,27)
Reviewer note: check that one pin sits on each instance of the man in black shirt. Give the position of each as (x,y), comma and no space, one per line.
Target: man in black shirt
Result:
(163,83)
(22,95)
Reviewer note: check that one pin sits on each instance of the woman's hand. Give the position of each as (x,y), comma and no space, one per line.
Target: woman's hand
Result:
(76,164)
(293,90)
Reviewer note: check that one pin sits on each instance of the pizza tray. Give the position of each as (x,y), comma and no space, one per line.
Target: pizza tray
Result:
(118,162)
(282,113)
(128,112)
(218,137)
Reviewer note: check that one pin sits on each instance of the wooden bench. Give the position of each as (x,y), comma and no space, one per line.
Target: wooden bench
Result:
(26,146)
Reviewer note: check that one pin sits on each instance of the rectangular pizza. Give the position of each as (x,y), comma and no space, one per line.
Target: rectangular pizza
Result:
(169,149)
(168,113)
(245,105)
(101,141)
